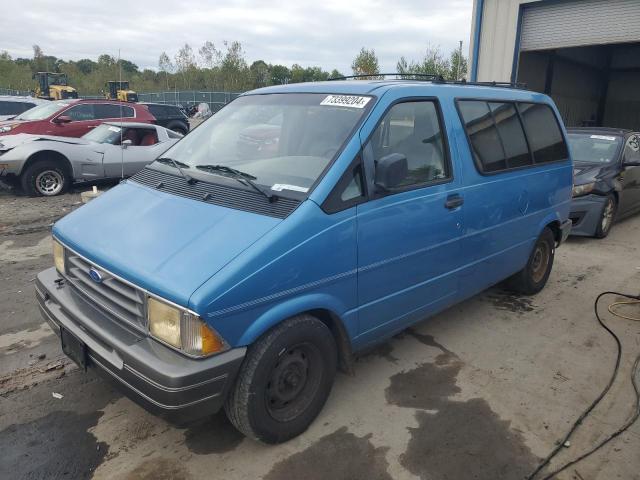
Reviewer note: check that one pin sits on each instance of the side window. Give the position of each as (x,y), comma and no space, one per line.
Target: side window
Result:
(349,191)
(632,149)
(543,132)
(483,134)
(511,134)
(109,110)
(81,112)
(413,129)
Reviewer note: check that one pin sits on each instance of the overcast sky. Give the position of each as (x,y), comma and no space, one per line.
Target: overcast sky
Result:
(328,33)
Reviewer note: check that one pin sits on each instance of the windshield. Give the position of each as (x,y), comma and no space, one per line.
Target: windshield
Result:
(41,111)
(282,141)
(590,148)
(104,134)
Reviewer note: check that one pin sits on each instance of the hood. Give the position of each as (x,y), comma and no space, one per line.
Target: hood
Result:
(587,172)
(11,141)
(166,244)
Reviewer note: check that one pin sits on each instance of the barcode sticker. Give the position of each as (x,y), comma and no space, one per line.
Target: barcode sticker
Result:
(352,101)
(278,187)
(603,137)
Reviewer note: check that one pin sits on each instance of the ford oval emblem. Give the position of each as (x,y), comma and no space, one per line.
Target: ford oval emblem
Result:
(95,275)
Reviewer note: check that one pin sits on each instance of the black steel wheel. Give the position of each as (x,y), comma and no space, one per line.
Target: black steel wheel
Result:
(533,277)
(284,380)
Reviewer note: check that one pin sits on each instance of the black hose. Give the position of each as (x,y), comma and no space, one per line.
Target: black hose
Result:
(590,408)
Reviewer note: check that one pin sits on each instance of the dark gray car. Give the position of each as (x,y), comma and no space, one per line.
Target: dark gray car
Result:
(606,178)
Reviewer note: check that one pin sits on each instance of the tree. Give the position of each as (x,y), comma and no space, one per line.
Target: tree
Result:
(233,67)
(165,66)
(186,63)
(459,67)
(433,63)
(260,73)
(335,74)
(210,56)
(280,75)
(366,63)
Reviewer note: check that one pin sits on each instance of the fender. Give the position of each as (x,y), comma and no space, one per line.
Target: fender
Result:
(551,217)
(295,306)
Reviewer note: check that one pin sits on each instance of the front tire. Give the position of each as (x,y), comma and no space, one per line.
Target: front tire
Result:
(284,380)
(533,277)
(606,217)
(45,178)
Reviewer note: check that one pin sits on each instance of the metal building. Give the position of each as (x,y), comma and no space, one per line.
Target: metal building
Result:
(584,53)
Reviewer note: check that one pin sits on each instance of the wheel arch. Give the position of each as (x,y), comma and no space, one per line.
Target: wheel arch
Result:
(49,155)
(322,307)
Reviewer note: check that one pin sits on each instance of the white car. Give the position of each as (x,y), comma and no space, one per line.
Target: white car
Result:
(49,165)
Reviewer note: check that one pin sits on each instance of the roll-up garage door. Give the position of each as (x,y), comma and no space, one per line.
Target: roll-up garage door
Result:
(577,23)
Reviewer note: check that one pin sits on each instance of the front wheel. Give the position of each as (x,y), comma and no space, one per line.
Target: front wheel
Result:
(44,178)
(606,217)
(533,277)
(284,380)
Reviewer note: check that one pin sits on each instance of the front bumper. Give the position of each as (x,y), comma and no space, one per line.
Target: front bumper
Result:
(586,213)
(161,380)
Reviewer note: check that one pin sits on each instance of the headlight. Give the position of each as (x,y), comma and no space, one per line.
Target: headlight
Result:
(579,190)
(58,256)
(6,128)
(182,329)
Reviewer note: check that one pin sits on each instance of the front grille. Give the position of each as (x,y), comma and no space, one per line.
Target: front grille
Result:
(222,195)
(117,298)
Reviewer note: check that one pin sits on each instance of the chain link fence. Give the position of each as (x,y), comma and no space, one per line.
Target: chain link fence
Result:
(12,92)
(216,100)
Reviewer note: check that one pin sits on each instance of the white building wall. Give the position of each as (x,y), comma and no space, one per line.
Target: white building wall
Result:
(497,38)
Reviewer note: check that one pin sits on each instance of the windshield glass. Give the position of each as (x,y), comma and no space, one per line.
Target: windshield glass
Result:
(41,111)
(593,148)
(283,141)
(104,134)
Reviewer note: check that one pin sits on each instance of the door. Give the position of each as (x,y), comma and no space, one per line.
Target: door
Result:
(408,238)
(124,161)
(630,197)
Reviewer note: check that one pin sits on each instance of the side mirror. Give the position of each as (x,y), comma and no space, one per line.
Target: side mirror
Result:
(126,143)
(63,119)
(391,171)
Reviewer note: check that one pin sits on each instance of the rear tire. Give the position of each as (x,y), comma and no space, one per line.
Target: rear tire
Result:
(284,380)
(533,277)
(606,217)
(45,178)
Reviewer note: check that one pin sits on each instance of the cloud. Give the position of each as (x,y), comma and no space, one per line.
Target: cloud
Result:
(328,33)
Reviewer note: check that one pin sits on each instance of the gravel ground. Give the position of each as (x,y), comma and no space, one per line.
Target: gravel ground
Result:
(480,391)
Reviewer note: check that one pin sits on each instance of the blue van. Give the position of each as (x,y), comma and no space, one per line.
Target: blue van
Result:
(299,225)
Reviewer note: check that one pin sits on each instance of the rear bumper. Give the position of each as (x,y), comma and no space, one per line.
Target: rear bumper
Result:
(161,380)
(585,214)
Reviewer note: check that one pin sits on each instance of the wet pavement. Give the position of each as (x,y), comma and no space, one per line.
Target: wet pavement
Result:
(481,391)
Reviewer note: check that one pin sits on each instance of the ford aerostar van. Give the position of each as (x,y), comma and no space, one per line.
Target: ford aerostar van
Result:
(299,225)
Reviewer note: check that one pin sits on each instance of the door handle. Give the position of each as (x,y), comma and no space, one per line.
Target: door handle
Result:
(453,201)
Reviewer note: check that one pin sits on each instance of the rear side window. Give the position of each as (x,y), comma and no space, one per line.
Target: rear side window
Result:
(483,135)
(110,110)
(507,135)
(543,132)
(79,113)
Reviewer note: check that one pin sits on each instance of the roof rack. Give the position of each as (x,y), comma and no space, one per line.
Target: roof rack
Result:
(429,77)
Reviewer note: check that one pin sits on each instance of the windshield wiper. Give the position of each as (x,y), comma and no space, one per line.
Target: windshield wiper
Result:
(177,164)
(242,177)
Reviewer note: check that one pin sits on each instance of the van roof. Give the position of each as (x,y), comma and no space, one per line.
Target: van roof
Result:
(378,87)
